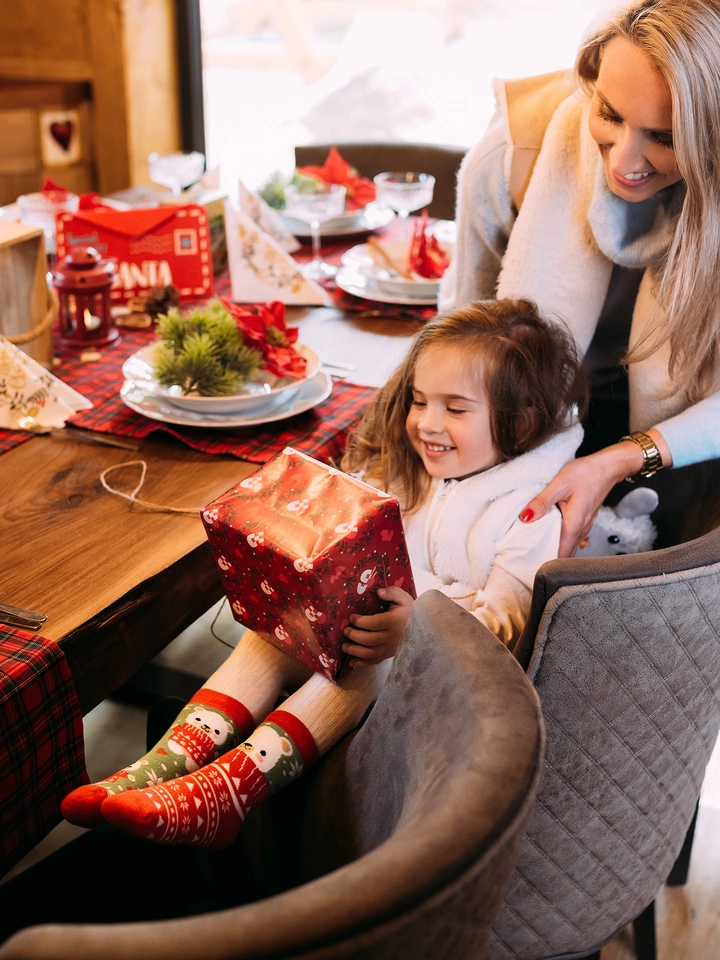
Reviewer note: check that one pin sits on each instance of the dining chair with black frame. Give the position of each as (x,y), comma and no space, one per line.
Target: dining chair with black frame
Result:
(369,159)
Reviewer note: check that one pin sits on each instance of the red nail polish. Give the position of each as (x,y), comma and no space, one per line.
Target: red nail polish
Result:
(527,515)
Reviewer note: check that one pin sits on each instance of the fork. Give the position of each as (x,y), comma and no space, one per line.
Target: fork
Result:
(26,422)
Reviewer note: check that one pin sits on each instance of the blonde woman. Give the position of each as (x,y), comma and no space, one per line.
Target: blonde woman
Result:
(598,197)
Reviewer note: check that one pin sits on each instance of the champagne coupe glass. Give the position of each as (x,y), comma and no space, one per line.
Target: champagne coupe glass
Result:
(315,204)
(404,191)
(176,170)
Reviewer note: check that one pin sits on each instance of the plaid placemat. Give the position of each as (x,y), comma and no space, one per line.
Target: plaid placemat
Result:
(41,741)
(320,432)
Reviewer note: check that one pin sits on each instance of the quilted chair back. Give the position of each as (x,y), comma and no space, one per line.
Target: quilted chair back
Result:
(425,806)
(369,159)
(625,655)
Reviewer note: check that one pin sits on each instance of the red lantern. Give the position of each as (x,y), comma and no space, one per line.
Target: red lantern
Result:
(83,282)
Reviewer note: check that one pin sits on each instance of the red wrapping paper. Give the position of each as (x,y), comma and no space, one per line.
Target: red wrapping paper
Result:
(300,546)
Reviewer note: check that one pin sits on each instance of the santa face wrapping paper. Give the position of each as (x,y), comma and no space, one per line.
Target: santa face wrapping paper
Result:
(300,546)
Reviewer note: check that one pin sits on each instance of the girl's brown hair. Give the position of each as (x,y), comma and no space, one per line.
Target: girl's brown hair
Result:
(529,369)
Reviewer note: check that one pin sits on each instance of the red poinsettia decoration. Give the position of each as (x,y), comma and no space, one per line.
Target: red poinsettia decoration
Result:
(359,191)
(265,330)
(426,257)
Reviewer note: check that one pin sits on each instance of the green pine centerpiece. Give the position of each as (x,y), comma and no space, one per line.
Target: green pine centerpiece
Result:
(203,352)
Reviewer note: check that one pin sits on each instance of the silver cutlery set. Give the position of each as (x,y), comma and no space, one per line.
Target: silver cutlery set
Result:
(18,617)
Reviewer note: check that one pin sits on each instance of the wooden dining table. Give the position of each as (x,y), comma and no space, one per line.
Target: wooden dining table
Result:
(116,581)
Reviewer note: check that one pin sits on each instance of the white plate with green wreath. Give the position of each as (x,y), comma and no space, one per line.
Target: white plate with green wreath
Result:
(201,363)
(310,394)
(260,391)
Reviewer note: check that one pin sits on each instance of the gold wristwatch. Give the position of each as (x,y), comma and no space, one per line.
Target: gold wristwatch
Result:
(652,460)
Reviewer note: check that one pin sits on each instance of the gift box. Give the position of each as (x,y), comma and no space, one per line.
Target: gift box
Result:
(300,546)
(157,246)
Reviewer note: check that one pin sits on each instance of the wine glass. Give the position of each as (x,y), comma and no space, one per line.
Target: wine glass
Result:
(404,191)
(315,204)
(176,170)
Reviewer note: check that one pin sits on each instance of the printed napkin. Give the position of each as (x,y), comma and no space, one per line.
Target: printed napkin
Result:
(27,388)
(260,270)
(267,219)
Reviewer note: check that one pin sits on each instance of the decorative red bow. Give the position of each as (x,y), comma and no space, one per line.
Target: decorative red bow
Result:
(426,257)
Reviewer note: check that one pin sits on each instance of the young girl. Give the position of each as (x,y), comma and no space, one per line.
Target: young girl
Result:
(482,413)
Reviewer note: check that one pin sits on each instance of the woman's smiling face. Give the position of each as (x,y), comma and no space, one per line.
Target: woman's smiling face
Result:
(631,122)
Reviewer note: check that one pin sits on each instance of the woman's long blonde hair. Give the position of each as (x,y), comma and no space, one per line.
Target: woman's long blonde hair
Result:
(682,39)
(529,370)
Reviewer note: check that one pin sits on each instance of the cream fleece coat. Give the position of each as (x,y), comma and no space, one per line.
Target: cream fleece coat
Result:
(556,206)
(466,539)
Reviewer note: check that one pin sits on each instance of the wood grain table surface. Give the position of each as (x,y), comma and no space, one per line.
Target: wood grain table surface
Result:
(116,581)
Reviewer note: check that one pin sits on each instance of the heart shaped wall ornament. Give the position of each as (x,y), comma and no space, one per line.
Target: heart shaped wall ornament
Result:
(62,133)
(60,137)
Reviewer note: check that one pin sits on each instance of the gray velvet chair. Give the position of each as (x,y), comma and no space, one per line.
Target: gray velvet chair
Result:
(625,655)
(373,158)
(418,817)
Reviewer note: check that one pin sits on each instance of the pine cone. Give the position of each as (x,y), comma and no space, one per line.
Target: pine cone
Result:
(156,301)
(160,299)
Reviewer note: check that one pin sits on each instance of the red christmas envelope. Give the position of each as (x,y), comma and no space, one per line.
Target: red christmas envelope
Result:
(154,247)
(300,546)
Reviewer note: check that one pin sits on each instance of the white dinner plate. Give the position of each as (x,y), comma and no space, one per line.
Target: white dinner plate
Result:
(349,280)
(368,218)
(365,261)
(311,393)
(260,393)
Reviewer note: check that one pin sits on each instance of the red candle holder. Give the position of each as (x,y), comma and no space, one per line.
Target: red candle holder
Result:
(83,282)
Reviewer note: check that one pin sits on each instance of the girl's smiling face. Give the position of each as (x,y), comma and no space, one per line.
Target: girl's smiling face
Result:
(449,422)
(631,122)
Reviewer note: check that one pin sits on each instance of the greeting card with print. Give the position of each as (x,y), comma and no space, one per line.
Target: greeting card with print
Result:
(260,269)
(267,219)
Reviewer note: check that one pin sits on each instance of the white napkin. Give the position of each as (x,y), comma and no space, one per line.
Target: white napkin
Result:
(27,388)
(260,270)
(267,219)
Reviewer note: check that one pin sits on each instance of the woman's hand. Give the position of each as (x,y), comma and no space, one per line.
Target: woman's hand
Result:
(376,637)
(582,485)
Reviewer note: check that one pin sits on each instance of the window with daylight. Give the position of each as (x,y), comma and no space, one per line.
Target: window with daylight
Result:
(282,72)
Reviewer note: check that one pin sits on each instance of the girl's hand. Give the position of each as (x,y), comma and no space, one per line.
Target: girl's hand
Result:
(376,637)
(582,485)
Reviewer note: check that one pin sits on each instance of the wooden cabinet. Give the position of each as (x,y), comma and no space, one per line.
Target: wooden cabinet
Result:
(113,65)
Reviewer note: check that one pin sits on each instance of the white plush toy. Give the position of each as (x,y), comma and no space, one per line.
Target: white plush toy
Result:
(624,528)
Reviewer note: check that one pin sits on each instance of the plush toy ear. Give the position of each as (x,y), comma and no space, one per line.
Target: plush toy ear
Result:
(637,503)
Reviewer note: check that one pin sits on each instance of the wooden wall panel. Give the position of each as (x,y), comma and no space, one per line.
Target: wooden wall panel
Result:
(118,56)
(152,82)
(45,39)
(19,144)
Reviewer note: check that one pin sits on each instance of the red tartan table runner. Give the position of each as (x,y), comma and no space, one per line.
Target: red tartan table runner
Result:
(41,740)
(320,432)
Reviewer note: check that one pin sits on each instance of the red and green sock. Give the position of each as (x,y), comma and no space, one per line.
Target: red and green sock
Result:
(210,725)
(208,808)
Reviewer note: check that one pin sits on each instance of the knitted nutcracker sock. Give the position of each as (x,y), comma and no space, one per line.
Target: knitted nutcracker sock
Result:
(208,808)
(207,727)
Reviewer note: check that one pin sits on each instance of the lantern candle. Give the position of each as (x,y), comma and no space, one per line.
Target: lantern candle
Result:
(83,281)
(91,321)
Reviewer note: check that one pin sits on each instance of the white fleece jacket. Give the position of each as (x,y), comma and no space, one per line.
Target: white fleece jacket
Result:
(466,539)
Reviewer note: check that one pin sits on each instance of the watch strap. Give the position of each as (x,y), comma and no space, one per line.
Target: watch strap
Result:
(652,459)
